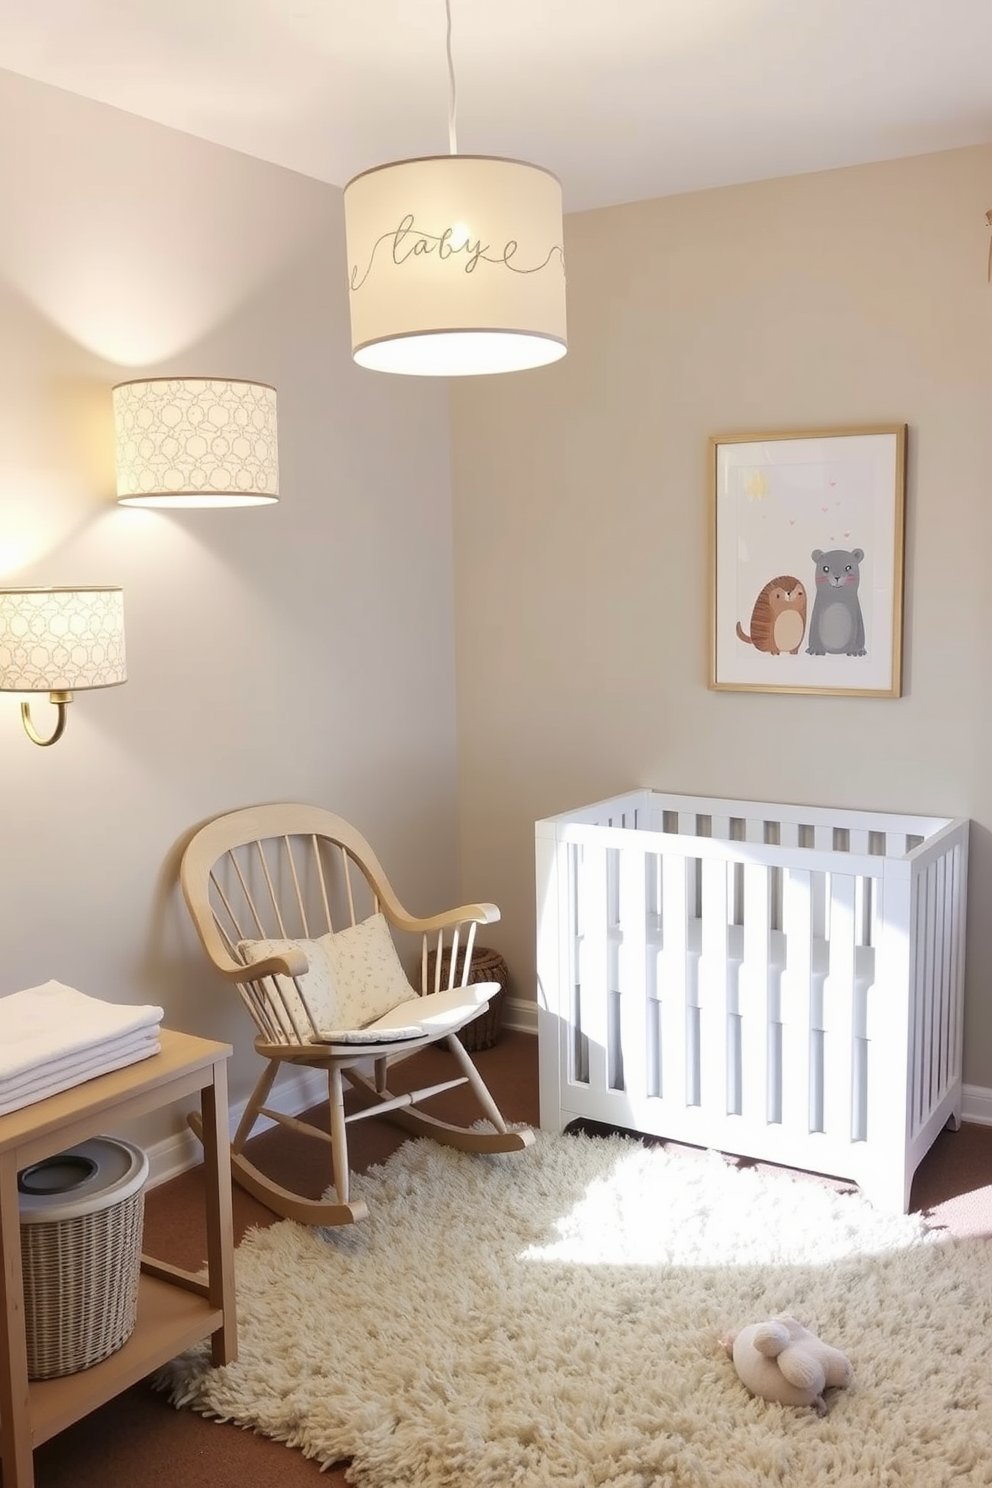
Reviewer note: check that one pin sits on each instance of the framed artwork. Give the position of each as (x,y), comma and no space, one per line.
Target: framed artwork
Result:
(807,561)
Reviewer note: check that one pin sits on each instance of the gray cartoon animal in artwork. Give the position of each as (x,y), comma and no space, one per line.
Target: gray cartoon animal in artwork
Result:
(837,626)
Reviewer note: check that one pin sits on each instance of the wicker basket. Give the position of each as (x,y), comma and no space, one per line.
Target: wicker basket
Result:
(487,966)
(81,1218)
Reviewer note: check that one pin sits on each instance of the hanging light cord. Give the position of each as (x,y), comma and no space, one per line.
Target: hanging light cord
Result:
(452,106)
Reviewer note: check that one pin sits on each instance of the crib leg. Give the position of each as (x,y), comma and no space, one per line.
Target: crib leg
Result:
(888,1190)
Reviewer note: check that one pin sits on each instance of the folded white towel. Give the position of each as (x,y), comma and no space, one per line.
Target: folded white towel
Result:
(55,1084)
(139,1044)
(53,1021)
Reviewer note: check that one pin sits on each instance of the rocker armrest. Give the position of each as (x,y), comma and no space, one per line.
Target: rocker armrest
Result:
(291,962)
(479,914)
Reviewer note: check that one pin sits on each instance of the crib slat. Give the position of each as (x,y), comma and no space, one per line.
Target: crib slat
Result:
(942,991)
(754,1000)
(955,920)
(948,967)
(940,981)
(797,1005)
(714,968)
(925,985)
(859,845)
(923,918)
(823,841)
(674,989)
(838,1012)
(632,904)
(921,910)
(593,980)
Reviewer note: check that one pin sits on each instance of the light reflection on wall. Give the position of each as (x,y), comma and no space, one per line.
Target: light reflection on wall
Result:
(56,445)
(135,240)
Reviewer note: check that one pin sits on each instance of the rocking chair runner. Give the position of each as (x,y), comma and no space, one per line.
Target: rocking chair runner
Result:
(277,902)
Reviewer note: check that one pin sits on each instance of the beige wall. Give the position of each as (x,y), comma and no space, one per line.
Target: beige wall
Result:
(849,297)
(302,651)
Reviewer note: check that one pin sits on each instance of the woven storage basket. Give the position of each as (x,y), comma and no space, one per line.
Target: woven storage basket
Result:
(487,966)
(81,1216)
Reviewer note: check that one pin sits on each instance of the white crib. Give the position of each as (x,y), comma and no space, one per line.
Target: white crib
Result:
(778,982)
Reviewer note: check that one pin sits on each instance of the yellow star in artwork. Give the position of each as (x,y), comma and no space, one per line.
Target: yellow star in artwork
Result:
(756,486)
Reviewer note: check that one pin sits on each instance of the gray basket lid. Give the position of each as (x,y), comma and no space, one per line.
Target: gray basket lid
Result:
(95,1175)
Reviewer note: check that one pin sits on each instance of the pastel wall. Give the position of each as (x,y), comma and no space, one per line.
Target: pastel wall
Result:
(302,651)
(845,298)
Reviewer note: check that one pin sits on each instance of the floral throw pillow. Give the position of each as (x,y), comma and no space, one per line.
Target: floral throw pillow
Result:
(368,976)
(353,976)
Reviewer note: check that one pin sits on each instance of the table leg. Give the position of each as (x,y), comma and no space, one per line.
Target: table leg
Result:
(220,1226)
(16,1450)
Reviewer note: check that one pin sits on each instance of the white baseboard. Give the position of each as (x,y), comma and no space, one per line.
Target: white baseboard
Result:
(977,1105)
(520,1015)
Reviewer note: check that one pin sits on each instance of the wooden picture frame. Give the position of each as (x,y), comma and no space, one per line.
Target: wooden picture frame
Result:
(806,561)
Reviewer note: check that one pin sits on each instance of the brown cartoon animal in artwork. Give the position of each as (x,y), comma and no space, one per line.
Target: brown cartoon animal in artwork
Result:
(778,620)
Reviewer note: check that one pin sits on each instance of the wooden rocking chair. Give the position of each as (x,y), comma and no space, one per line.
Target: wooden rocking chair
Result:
(307,941)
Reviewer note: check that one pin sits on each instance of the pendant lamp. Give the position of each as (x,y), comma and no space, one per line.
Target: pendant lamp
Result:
(455,262)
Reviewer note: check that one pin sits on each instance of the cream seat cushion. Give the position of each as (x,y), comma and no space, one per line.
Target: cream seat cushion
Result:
(436,1014)
(439,1011)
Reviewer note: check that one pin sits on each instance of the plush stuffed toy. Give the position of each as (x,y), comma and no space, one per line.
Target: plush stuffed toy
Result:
(781,1360)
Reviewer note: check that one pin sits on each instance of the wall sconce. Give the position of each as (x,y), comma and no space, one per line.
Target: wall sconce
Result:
(60,641)
(195,441)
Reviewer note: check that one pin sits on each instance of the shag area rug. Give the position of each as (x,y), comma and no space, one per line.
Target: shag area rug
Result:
(552,1319)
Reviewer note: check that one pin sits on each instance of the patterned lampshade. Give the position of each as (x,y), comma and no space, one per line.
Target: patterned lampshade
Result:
(188,442)
(455,266)
(61,640)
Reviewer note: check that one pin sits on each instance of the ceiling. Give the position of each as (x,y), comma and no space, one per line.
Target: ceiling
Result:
(623,99)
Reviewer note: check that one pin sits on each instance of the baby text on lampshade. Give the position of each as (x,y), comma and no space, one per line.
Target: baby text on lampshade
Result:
(456,266)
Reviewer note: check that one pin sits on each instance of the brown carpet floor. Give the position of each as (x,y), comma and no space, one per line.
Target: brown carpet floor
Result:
(139,1440)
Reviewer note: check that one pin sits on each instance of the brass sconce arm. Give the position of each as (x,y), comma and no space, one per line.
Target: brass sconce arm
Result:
(61,700)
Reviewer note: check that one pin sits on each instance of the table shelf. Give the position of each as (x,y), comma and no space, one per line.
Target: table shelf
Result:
(169,1321)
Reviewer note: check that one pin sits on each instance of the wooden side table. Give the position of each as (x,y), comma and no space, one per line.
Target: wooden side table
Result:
(175,1308)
